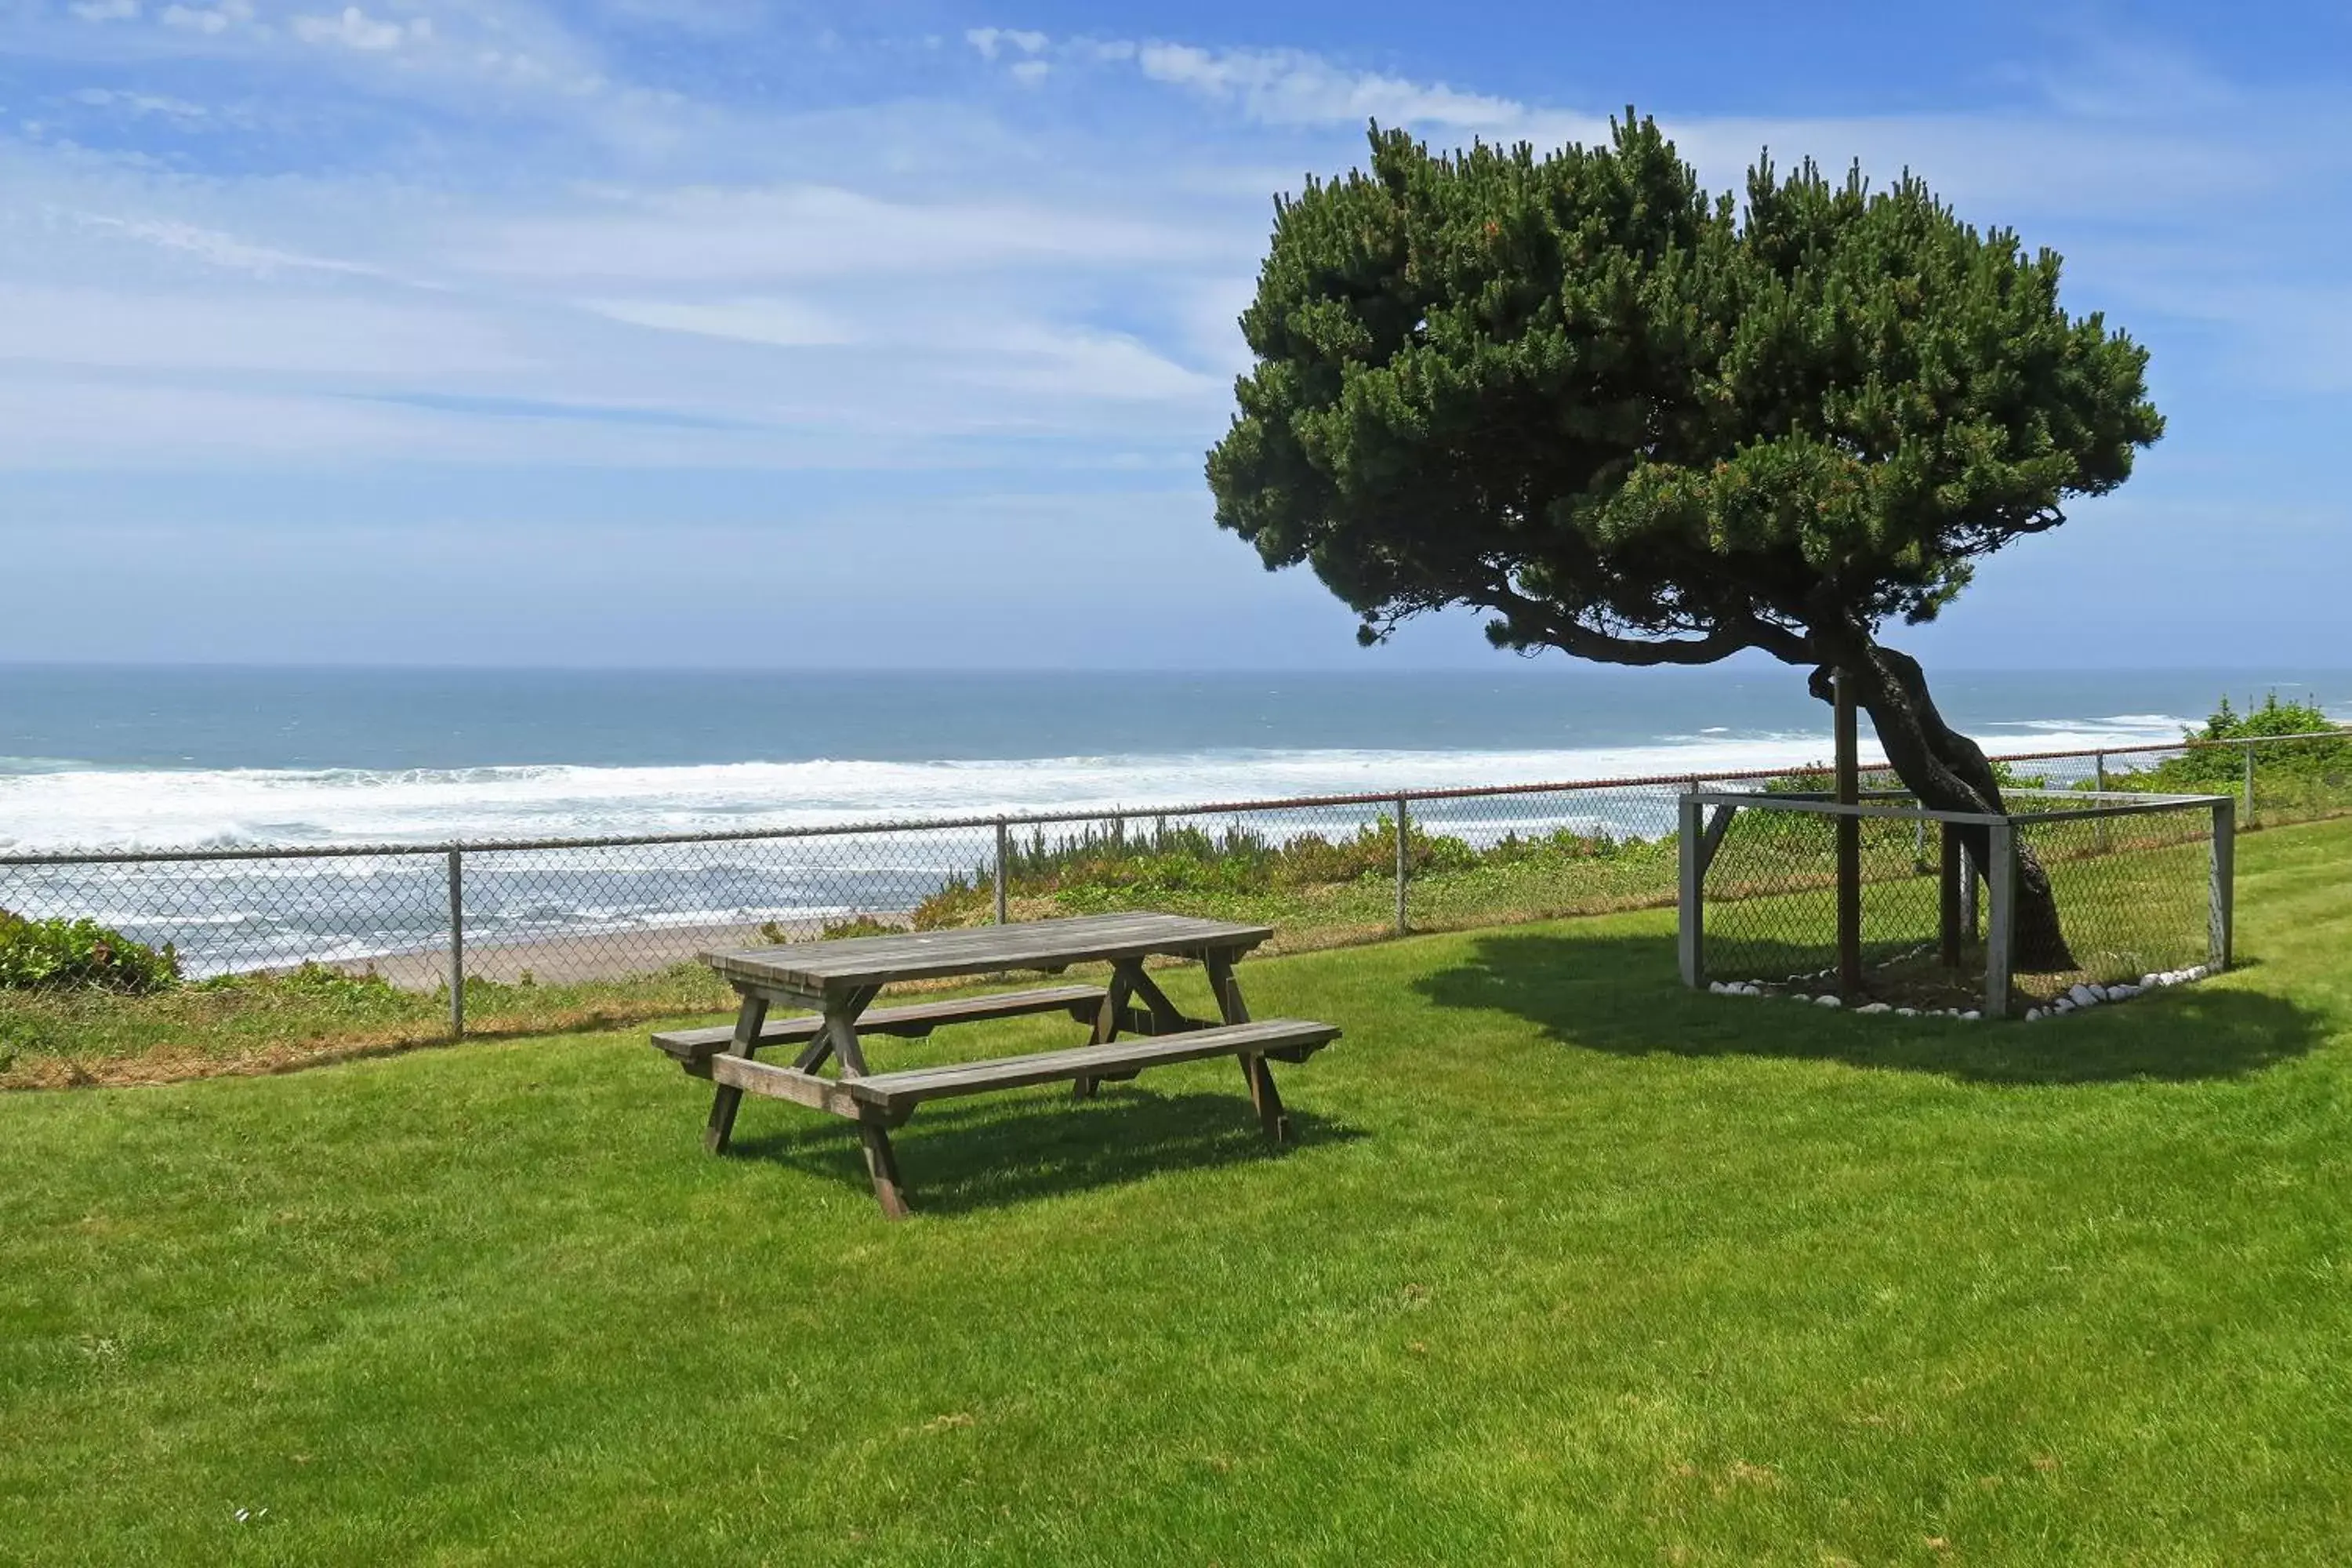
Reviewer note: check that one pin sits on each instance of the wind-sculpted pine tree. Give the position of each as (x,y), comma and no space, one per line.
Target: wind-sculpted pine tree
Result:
(1639,423)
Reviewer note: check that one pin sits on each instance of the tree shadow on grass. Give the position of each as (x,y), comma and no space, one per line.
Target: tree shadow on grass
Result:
(977,1155)
(1623,996)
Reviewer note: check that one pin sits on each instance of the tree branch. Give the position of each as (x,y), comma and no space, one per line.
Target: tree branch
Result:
(1727,636)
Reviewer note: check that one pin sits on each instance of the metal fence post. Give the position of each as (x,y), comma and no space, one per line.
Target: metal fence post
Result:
(2099,778)
(2249,784)
(1952,871)
(2000,933)
(456,943)
(2221,892)
(1404,867)
(1003,864)
(1689,929)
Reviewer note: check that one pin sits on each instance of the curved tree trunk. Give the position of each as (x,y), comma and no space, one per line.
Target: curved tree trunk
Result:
(1947,772)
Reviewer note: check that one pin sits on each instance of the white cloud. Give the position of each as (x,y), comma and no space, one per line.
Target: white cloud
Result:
(1082,362)
(1275,87)
(354,28)
(213,20)
(105,10)
(778,323)
(977,337)
(1290,87)
(960,276)
(715,235)
(142,103)
(212,246)
(353,340)
(990,41)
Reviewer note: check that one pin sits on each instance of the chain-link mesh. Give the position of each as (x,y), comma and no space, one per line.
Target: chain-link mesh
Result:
(1494,859)
(222,915)
(2132,894)
(565,914)
(1771,895)
(1320,871)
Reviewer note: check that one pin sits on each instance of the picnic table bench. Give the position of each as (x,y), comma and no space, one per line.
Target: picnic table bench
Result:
(840,980)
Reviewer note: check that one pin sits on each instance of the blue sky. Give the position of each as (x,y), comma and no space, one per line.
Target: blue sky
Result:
(724,333)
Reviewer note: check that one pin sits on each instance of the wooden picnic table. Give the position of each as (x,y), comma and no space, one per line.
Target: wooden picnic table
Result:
(840,980)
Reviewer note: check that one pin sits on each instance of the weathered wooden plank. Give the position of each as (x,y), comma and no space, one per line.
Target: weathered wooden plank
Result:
(897,1092)
(693,1046)
(746,1076)
(832,966)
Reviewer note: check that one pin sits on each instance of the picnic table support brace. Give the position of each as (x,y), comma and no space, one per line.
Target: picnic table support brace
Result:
(749,1019)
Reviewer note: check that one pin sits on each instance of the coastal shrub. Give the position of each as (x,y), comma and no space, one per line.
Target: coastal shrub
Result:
(308,979)
(1821,779)
(857,925)
(2322,762)
(66,955)
(1115,866)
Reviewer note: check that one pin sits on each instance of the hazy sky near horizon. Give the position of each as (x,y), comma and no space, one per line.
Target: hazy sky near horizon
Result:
(729,333)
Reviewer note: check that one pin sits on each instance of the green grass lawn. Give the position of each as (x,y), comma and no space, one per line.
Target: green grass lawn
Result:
(1567,1266)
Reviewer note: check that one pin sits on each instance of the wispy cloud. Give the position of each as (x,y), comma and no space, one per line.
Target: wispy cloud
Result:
(1275,86)
(213,247)
(210,20)
(1290,87)
(717,234)
(993,41)
(143,103)
(354,28)
(964,268)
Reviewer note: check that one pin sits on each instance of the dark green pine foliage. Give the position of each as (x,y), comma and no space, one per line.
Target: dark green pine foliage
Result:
(1580,392)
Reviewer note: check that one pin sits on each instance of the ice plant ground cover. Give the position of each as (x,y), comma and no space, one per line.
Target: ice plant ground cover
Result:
(1568,1264)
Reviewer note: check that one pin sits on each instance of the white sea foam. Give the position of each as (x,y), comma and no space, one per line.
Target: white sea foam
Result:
(68,807)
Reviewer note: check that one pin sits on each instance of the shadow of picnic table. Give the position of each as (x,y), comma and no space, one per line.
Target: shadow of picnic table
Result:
(1623,996)
(1017,1147)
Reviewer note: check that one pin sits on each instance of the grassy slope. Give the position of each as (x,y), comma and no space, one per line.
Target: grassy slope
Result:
(1569,1266)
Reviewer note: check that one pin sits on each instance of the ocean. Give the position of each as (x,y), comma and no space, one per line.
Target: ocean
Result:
(154,758)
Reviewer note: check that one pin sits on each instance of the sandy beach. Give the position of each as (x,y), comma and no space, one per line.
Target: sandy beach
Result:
(564,960)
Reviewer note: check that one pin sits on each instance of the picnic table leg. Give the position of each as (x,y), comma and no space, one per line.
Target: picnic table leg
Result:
(1254,1072)
(1106,1018)
(839,1036)
(882,1166)
(749,1019)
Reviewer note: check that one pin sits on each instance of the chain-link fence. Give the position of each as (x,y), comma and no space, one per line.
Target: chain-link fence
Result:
(1322,871)
(1952,910)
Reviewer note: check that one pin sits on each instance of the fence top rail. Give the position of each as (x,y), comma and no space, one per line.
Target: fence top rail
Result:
(1808,805)
(2119,804)
(2187,743)
(1680,781)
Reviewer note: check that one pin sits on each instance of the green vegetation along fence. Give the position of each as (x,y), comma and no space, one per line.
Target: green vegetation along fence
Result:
(452,919)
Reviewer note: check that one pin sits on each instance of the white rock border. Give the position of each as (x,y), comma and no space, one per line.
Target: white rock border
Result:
(2078,999)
